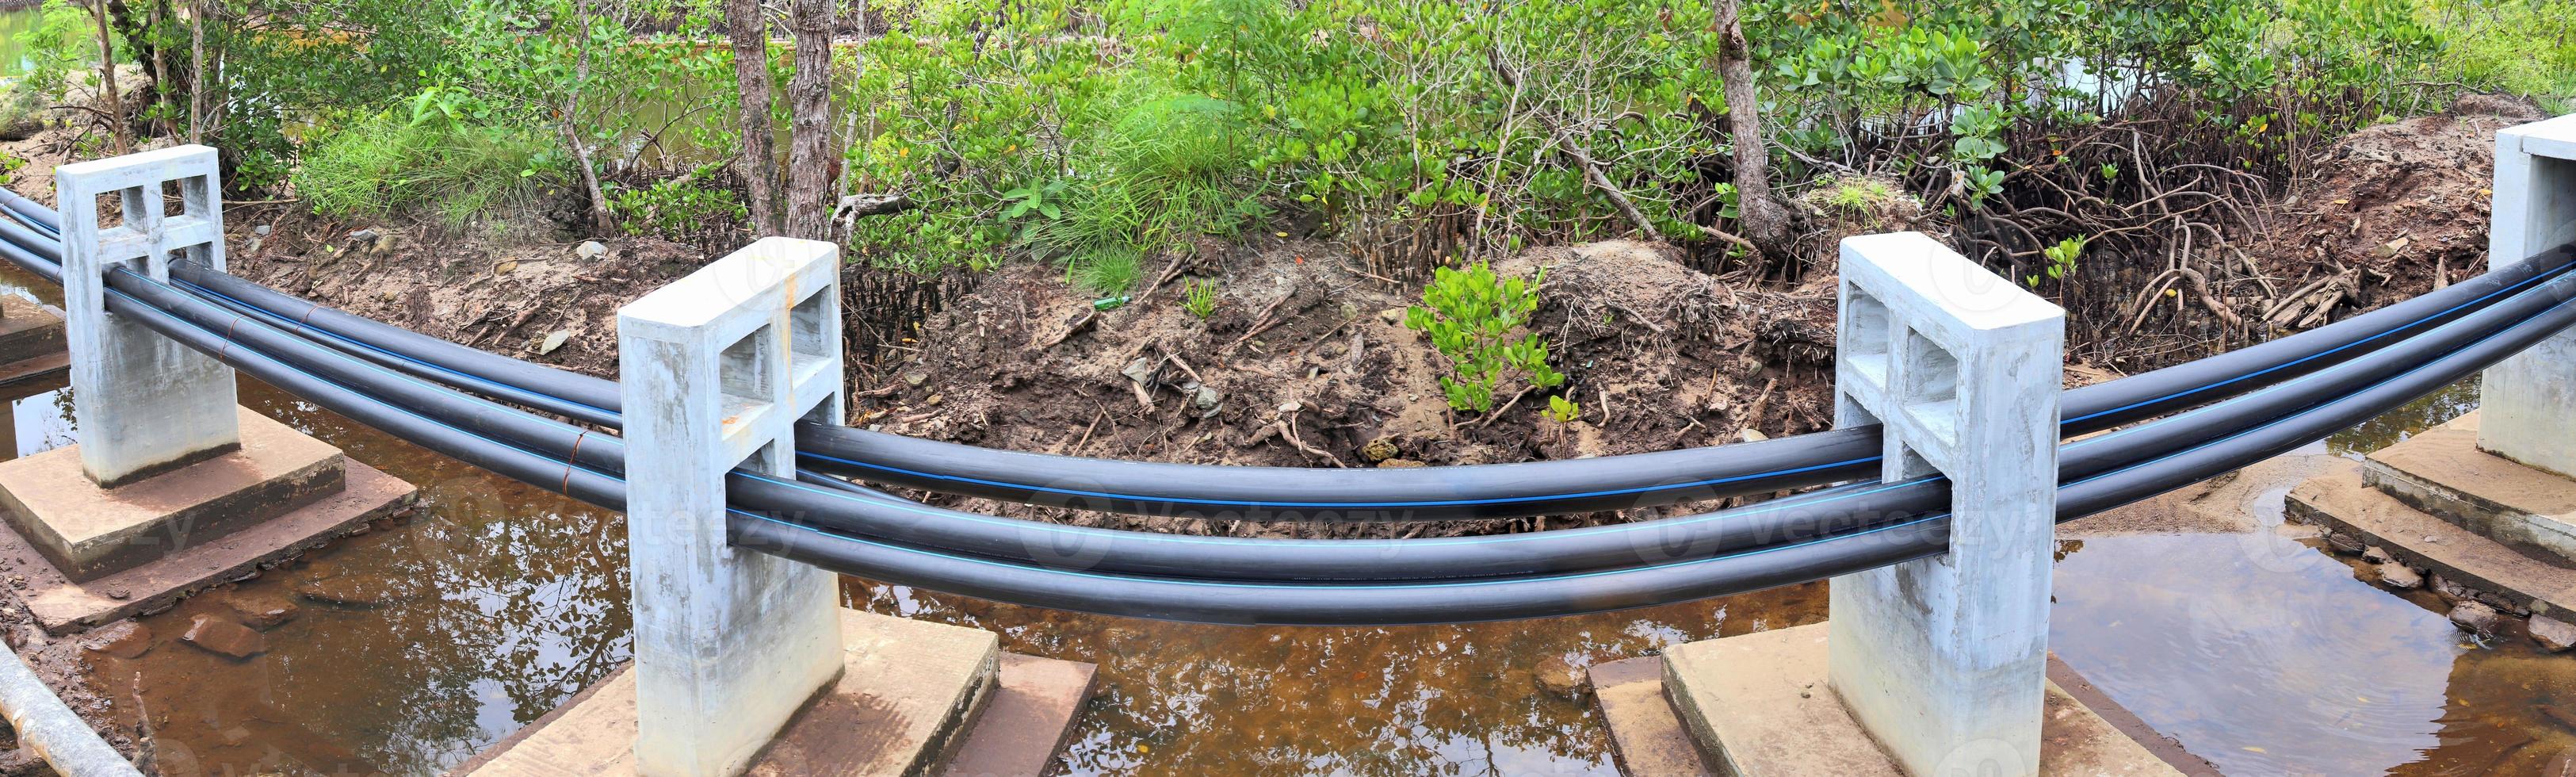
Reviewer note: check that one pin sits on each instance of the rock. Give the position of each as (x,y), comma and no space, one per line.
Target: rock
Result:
(2374,554)
(915,378)
(1207,400)
(223,637)
(1400,464)
(2399,576)
(354,591)
(263,611)
(1750,434)
(1290,406)
(1391,315)
(363,237)
(2475,617)
(2343,543)
(554,340)
(1141,370)
(262,230)
(128,640)
(1558,675)
(2451,591)
(2552,633)
(1380,449)
(591,249)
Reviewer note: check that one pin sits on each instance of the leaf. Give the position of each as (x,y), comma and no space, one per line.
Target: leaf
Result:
(554,340)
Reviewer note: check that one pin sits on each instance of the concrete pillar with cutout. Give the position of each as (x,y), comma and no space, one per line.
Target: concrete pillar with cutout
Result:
(744,661)
(172,486)
(2528,408)
(718,367)
(1938,665)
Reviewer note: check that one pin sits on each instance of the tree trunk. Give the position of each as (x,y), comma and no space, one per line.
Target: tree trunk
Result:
(811,167)
(599,216)
(151,36)
(107,83)
(200,88)
(748,26)
(1765,220)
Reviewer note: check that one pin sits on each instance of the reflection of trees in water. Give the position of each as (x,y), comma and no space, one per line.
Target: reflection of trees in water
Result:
(521,601)
(1462,700)
(529,607)
(2395,426)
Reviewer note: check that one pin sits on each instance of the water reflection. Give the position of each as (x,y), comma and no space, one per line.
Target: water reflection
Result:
(2266,655)
(494,603)
(1189,699)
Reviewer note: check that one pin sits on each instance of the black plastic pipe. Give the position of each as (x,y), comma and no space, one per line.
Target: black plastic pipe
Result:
(1225,602)
(1289,604)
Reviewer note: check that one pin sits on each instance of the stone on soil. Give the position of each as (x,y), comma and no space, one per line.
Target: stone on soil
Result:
(1558,675)
(223,637)
(126,639)
(2475,617)
(2397,575)
(2552,633)
(262,611)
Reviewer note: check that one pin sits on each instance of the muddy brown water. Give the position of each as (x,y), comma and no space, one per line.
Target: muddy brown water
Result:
(496,601)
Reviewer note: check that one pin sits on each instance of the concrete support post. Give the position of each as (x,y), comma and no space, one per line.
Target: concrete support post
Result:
(145,403)
(1944,660)
(718,367)
(2528,408)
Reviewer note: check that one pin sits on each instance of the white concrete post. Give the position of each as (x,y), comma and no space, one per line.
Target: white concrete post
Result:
(2528,409)
(718,368)
(1944,660)
(145,403)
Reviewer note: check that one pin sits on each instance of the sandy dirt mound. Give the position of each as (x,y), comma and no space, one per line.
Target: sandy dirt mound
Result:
(1306,362)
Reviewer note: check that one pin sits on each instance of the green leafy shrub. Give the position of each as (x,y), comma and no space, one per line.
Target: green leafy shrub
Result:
(1474,319)
(683,209)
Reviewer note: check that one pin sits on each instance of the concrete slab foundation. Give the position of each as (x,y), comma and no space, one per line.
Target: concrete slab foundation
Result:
(2343,501)
(63,606)
(911,694)
(31,341)
(1029,720)
(1760,705)
(2443,472)
(90,532)
(1646,734)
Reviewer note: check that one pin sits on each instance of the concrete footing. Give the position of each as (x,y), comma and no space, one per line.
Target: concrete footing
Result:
(2482,526)
(31,341)
(913,698)
(1758,705)
(91,555)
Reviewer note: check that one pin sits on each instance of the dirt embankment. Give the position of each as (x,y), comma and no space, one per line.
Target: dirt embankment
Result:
(1306,362)
(2394,211)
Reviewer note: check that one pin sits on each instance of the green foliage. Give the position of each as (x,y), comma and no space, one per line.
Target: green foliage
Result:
(1106,272)
(1200,298)
(2061,259)
(1561,410)
(681,208)
(2525,47)
(430,155)
(9,164)
(1473,317)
